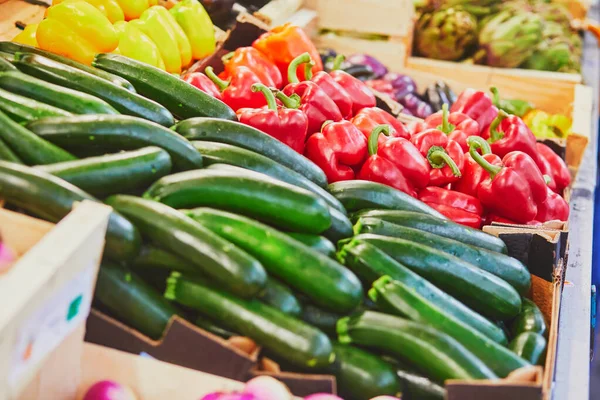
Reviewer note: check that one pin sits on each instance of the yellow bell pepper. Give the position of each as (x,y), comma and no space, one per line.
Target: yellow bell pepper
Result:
(196,23)
(548,126)
(185,49)
(76,30)
(134,43)
(27,36)
(153,24)
(110,8)
(133,9)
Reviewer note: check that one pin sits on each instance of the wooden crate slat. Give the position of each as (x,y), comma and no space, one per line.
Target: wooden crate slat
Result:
(17,10)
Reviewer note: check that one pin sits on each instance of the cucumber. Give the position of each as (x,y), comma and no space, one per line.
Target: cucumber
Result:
(179,97)
(52,198)
(12,48)
(133,301)
(401,299)
(279,296)
(341,227)
(445,228)
(361,375)
(227,265)
(6,65)
(438,355)
(327,283)
(21,109)
(322,319)
(154,258)
(222,153)
(478,289)
(113,133)
(529,345)
(249,138)
(290,339)
(29,147)
(530,319)
(6,154)
(54,95)
(6,56)
(211,327)
(114,173)
(418,387)
(369,264)
(501,265)
(121,99)
(315,242)
(357,195)
(246,192)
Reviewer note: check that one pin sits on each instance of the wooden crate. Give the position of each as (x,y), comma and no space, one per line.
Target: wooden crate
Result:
(17,10)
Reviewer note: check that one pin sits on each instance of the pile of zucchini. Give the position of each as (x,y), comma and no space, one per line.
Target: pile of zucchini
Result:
(225,226)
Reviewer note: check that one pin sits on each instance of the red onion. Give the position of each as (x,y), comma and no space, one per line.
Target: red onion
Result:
(7,256)
(109,390)
(229,396)
(323,396)
(385,398)
(267,388)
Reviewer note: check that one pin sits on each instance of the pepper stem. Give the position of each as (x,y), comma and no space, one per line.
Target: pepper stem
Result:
(293,67)
(480,143)
(337,62)
(308,70)
(374,137)
(495,95)
(446,126)
(292,101)
(329,121)
(439,158)
(271,103)
(221,84)
(489,167)
(227,57)
(495,134)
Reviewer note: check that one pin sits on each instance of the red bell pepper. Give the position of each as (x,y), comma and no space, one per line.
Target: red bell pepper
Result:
(287,125)
(320,151)
(407,158)
(477,105)
(237,93)
(473,173)
(554,208)
(526,167)
(258,63)
(553,166)
(381,86)
(451,198)
(381,170)
(314,102)
(338,94)
(457,126)
(361,95)
(369,118)
(509,133)
(457,215)
(445,156)
(203,82)
(347,142)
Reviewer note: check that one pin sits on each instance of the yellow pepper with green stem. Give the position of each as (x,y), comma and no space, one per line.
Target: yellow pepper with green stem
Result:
(197,25)
(548,126)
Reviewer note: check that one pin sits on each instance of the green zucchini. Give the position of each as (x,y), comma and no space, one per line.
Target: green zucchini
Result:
(357,195)
(361,375)
(6,56)
(341,227)
(113,133)
(6,65)
(290,339)
(445,228)
(322,319)
(52,198)
(211,327)
(530,319)
(29,147)
(21,109)
(401,299)
(54,95)
(154,258)
(226,264)
(315,242)
(6,154)
(249,138)
(327,283)
(114,173)
(501,265)
(133,301)
(418,387)
(246,192)
(281,297)
(121,99)
(222,154)
(369,264)
(179,97)
(12,48)
(438,355)
(529,345)
(478,289)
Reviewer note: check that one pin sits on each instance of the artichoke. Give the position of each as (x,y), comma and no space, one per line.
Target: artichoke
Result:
(560,50)
(509,38)
(553,12)
(445,34)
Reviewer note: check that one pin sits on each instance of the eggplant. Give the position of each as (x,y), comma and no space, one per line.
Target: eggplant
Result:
(379,70)
(416,105)
(402,84)
(437,94)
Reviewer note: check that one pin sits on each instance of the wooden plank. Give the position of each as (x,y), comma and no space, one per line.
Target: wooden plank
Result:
(276,12)
(17,10)
(474,75)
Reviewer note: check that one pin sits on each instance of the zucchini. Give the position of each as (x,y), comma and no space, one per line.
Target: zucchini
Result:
(54,95)
(315,242)
(438,355)
(400,299)
(114,173)
(6,154)
(246,192)
(361,375)
(29,147)
(12,48)
(226,264)
(279,296)
(133,301)
(369,264)
(179,97)
(210,327)
(249,138)
(501,265)
(341,227)
(6,65)
(121,99)
(418,387)
(290,339)
(445,228)
(357,195)
(154,258)
(113,133)
(478,289)
(21,109)
(52,198)
(222,153)
(322,319)
(530,319)
(529,345)
(327,283)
